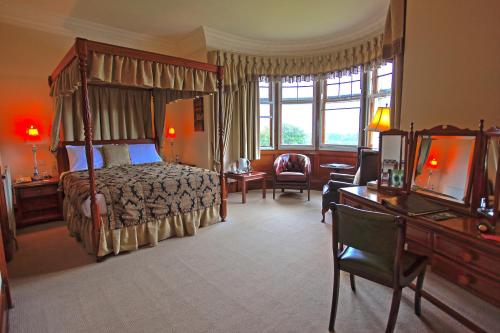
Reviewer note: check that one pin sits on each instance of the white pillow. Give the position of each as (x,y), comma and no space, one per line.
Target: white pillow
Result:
(78,159)
(143,153)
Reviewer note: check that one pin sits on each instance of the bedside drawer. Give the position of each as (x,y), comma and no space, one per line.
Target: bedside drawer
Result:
(468,279)
(466,255)
(37,191)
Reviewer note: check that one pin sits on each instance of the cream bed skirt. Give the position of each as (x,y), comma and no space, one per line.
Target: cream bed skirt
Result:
(131,238)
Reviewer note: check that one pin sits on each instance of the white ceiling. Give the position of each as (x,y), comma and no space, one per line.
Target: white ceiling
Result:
(268,20)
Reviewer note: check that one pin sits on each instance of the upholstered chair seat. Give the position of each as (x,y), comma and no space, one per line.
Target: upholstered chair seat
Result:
(291,176)
(292,171)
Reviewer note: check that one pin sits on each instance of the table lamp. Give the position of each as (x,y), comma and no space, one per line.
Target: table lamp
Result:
(32,135)
(382,120)
(171,135)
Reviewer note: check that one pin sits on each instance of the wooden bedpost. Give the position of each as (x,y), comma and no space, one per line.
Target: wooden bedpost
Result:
(82,52)
(223,194)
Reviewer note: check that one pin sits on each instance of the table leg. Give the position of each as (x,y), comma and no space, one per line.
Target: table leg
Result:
(243,191)
(263,187)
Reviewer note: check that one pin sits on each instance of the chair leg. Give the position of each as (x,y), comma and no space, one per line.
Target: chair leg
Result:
(393,314)
(335,298)
(323,214)
(418,292)
(274,193)
(282,190)
(301,191)
(353,282)
(308,194)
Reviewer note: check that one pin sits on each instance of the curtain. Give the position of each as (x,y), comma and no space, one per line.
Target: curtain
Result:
(241,68)
(227,109)
(244,141)
(117,113)
(159,104)
(56,122)
(393,48)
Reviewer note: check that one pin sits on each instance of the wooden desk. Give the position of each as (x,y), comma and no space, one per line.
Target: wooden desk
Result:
(455,248)
(243,178)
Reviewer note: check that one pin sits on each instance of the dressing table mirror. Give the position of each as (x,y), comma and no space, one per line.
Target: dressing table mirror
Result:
(445,159)
(490,196)
(393,147)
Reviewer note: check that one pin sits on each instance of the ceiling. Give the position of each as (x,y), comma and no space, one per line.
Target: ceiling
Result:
(265,20)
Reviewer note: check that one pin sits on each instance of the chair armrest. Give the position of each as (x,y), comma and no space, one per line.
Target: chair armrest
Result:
(334,185)
(345,177)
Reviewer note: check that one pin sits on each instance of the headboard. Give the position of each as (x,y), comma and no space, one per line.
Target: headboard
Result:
(62,153)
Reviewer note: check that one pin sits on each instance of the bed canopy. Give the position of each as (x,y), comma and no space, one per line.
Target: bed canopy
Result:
(102,94)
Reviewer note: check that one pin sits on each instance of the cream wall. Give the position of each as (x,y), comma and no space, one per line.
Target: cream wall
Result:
(452,63)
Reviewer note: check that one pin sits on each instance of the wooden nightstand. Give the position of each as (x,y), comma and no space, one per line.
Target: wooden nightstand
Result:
(37,202)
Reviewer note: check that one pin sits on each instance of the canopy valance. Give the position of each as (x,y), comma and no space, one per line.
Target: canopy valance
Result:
(132,72)
(241,68)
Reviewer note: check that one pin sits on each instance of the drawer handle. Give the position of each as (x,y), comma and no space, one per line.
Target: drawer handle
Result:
(464,280)
(467,257)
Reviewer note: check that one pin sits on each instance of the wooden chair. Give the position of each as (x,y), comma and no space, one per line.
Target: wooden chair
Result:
(374,250)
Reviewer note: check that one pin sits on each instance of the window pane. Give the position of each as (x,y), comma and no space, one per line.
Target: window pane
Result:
(265,110)
(264,93)
(384,83)
(385,69)
(289,84)
(330,81)
(356,76)
(343,105)
(265,132)
(345,89)
(342,127)
(289,93)
(345,78)
(356,88)
(296,124)
(332,90)
(306,92)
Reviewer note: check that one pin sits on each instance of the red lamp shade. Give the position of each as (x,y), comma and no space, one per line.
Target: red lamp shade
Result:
(171,133)
(433,163)
(32,133)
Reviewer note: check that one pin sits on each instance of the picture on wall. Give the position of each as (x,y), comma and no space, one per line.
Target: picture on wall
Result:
(199,118)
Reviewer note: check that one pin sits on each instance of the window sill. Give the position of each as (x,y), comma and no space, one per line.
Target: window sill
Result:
(339,148)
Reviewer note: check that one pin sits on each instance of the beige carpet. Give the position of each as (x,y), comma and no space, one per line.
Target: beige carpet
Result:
(267,270)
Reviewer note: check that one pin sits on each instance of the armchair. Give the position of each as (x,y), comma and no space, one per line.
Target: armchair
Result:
(292,171)
(367,170)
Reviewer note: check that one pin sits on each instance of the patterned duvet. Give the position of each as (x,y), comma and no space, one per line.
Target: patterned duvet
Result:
(138,194)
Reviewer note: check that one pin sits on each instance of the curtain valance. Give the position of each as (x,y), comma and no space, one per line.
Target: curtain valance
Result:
(241,68)
(131,72)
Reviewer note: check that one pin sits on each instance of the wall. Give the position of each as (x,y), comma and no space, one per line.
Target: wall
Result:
(26,60)
(452,63)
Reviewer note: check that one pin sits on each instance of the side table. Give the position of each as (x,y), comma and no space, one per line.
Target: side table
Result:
(243,178)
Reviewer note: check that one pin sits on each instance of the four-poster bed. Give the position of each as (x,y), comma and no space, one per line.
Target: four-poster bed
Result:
(109,88)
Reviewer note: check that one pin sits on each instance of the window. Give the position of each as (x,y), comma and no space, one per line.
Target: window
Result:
(341,111)
(296,117)
(266,105)
(379,94)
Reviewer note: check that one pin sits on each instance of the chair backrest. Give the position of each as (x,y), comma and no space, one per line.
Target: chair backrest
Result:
(368,165)
(368,231)
(292,162)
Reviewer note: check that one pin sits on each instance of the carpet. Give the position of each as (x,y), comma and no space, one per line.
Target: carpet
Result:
(268,269)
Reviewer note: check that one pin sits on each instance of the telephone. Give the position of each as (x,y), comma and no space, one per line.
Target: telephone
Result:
(23,179)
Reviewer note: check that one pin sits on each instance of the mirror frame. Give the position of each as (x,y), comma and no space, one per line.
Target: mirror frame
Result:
(471,200)
(491,133)
(404,155)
